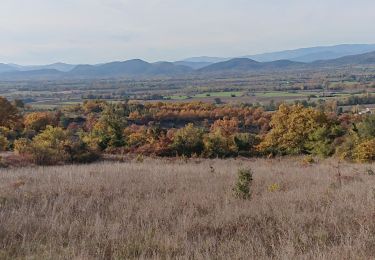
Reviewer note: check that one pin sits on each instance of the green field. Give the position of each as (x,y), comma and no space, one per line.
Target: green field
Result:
(218,94)
(280,94)
(178,97)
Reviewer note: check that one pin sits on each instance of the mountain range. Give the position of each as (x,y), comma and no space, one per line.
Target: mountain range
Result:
(295,59)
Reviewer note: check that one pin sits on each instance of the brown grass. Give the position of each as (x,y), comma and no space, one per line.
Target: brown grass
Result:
(163,209)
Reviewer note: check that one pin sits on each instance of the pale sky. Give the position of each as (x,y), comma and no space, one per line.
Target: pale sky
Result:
(94,31)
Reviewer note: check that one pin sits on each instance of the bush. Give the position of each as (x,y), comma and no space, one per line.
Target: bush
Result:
(56,145)
(218,145)
(246,143)
(3,143)
(365,151)
(242,187)
(79,152)
(346,149)
(188,140)
(3,164)
(48,147)
(307,160)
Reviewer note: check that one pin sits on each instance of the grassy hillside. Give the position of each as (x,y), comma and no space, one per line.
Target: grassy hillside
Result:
(186,209)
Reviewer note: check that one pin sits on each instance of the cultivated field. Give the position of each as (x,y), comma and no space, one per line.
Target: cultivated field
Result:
(164,209)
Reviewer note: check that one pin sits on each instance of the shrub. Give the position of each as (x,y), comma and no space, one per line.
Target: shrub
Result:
(2,163)
(366,129)
(370,172)
(218,145)
(346,149)
(365,151)
(308,160)
(243,185)
(3,143)
(79,152)
(188,140)
(48,147)
(274,187)
(246,143)
(22,146)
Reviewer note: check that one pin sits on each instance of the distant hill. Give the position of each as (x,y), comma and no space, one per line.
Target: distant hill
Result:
(139,68)
(44,74)
(300,55)
(247,65)
(315,53)
(361,59)
(5,68)
(130,68)
(63,67)
(206,59)
(192,64)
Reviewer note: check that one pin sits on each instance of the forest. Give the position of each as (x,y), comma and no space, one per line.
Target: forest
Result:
(85,132)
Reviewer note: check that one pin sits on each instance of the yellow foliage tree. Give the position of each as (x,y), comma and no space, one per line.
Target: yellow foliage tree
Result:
(365,151)
(38,121)
(291,127)
(227,127)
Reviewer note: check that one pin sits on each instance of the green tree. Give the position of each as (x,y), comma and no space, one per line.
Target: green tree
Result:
(366,129)
(49,147)
(188,140)
(108,131)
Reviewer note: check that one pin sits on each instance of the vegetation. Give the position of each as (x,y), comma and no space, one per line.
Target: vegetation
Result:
(164,209)
(243,185)
(81,132)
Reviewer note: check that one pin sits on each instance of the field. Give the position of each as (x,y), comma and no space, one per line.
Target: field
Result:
(164,209)
(255,88)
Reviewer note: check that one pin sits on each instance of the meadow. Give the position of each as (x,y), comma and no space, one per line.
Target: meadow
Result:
(185,209)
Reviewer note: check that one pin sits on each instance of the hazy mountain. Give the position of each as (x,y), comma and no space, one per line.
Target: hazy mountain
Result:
(237,64)
(206,59)
(130,68)
(5,68)
(193,65)
(45,74)
(139,68)
(315,53)
(300,55)
(248,65)
(360,59)
(55,66)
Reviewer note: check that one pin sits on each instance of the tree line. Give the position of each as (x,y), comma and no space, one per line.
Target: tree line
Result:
(83,132)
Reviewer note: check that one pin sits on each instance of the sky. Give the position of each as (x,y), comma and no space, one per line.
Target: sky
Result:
(96,31)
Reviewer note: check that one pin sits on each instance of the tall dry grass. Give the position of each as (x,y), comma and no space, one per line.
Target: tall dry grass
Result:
(163,209)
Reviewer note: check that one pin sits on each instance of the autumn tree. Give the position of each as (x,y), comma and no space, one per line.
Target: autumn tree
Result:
(9,115)
(38,121)
(49,147)
(55,145)
(291,128)
(226,127)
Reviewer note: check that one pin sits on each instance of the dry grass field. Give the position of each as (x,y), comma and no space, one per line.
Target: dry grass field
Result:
(162,209)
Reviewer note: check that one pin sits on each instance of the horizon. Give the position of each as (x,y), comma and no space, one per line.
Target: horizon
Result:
(183,59)
(97,31)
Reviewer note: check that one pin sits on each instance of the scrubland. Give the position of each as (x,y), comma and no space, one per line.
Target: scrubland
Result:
(185,209)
